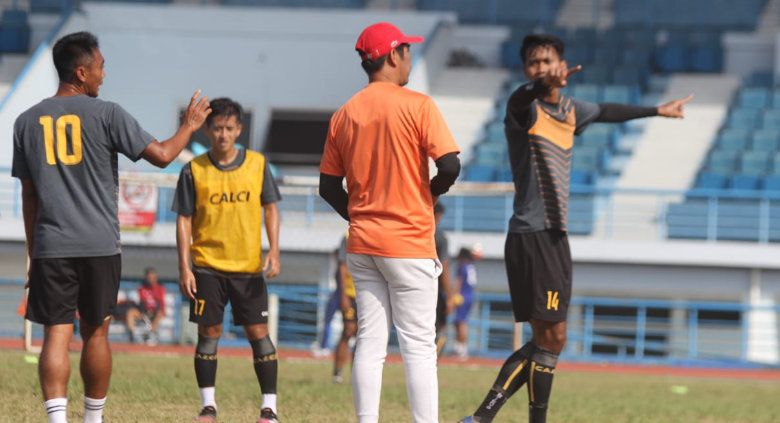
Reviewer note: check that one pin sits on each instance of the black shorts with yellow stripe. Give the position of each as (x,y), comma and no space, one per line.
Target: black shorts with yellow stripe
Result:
(539,269)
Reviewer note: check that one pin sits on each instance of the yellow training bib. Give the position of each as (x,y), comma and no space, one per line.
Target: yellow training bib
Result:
(227,224)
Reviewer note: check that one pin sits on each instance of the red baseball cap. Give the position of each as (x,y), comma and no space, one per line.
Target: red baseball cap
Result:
(378,39)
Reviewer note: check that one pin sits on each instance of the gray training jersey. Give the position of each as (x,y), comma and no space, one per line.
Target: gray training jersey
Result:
(67,147)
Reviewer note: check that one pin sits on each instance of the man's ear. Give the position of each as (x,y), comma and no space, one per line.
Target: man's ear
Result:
(392,58)
(80,73)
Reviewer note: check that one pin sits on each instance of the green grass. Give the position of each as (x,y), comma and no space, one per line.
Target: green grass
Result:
(163,389)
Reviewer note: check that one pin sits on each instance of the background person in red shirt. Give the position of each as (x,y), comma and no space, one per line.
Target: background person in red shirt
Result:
(151,304)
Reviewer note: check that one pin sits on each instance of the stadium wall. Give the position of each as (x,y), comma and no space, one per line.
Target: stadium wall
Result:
(265,58)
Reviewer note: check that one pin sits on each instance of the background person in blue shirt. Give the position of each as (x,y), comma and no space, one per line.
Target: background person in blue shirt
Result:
(464,289)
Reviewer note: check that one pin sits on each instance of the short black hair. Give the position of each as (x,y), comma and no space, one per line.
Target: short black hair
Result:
(372,66)
(149,270)
(533,41)
(465,253)
(224,107)
(71,51)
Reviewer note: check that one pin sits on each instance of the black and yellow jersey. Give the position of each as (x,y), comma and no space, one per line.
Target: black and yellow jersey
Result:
(225,203)
(540,151)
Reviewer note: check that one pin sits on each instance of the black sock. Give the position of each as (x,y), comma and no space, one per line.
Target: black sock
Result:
(206,361)
(511,377)
(266,364)
(540,384)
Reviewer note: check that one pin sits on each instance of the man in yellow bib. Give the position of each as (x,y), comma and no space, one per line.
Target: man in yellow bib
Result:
(221,199)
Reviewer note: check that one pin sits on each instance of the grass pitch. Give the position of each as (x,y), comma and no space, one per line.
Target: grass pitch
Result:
(163,389)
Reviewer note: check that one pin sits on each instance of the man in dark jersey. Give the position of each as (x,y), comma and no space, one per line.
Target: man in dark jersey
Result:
(540,125)
(65,154)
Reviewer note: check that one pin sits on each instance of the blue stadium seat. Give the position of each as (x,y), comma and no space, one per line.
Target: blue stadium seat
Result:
(494,132)
(776,99)
(771,183)
(776,163)
(743,119)
(480,173)
(771,119)
(620,94)
(636,57)
(706,58)
(586,92)
(596,73)
(753,98)
(510,55)
(588,159)
(606,57)
(765,140)
(14,32)
(672,58)
(492,154)
(579,177)
(754,163)
(709,180)
(733,140)
(744,182)
(760,79)
(504,175)
(721,162)
(630,75)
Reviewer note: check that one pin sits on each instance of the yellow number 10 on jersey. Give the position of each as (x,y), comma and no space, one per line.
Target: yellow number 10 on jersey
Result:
(72,158)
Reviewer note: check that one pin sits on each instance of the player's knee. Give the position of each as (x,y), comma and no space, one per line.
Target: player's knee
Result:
(553,340)
(558,339)
(263,349)
(207,346)
(256,331)
(210,331)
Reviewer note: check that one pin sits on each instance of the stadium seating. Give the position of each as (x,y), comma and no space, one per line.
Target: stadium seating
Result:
(710,14)
(497,11)
(736,195)
(352,4)
(14,31)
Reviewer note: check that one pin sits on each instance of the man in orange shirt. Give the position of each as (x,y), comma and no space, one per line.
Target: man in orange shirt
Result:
(380,140)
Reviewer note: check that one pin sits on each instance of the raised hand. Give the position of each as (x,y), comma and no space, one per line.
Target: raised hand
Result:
(197,111)
(557,78)
(675,108)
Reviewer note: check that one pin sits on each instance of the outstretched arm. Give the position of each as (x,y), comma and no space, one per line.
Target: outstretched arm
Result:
(616,113)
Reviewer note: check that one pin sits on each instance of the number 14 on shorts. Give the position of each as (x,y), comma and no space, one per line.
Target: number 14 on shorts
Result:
(552,300)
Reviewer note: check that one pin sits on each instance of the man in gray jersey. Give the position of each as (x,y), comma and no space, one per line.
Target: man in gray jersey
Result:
(65,154)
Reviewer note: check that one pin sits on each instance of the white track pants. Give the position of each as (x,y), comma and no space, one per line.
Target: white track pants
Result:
(402,291)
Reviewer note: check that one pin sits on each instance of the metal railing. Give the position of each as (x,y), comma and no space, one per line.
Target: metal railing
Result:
(602,213)
(603,329)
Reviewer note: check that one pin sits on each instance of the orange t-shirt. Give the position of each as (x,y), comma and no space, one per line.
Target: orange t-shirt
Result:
(381,140)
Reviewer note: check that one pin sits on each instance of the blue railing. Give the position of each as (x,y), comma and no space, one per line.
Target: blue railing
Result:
(603,213)
(634,330)
(599,329)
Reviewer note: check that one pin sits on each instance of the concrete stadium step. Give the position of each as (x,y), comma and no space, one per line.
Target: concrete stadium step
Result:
(668,154)
(466,98)
(586,14)
(769,21)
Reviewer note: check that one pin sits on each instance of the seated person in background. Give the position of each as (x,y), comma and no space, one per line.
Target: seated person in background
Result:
(151,306)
